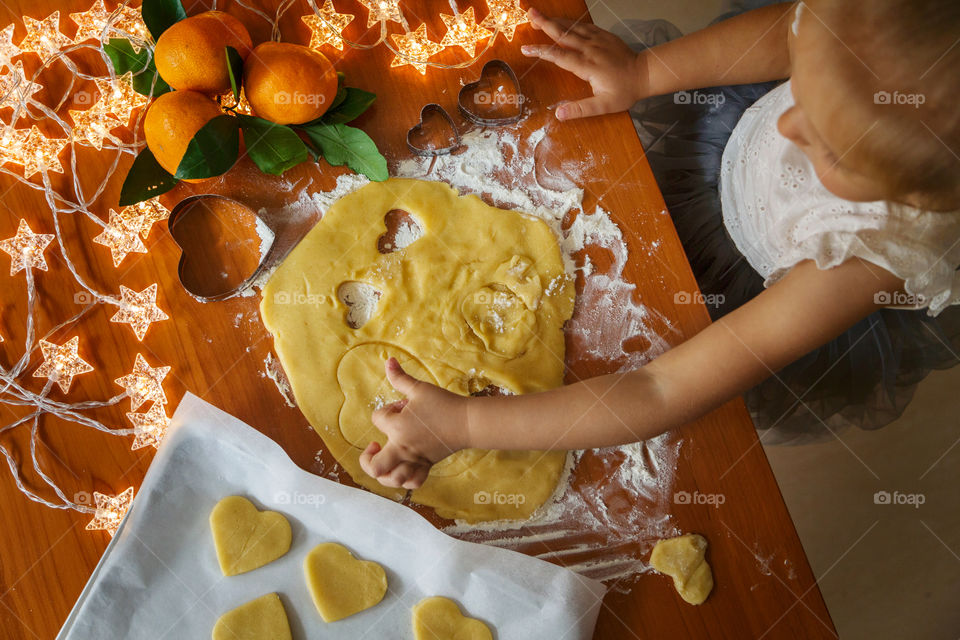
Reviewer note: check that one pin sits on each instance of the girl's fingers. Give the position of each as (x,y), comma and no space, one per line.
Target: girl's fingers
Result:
(563,58)
(563,32)
(383,417)
(384,461)
(399,475)
(593,106)
(417,479)
(366,455)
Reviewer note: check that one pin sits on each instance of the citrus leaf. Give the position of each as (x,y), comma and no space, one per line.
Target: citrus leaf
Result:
(212,151)
(146,179)
(273,147)
(235,69)
(353,105)
(344,145)
(124,59)
(159,15)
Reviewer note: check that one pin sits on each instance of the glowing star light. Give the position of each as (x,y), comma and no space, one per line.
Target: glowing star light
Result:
(152,212)
(119,98)
(8,50)
(15,87)
(26,248)
(382,11)
(139,310)
(414,48)
(92,126)
(143,384)
(131,21)
(327,27)
(90,23)
(504,17)
(43,36)
(11,145)
(150,427)
(122,234)
(41,153)
(110,511)
(61,363)
(463,31)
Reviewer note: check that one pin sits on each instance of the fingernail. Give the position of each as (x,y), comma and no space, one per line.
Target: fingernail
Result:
(526,50)
(561,112)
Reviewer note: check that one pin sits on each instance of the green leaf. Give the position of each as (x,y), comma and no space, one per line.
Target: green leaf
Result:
(159,15)
(350,108)
(235,68)
(273,147)
(124,59)
(344,145)
(212,151)
(146,179)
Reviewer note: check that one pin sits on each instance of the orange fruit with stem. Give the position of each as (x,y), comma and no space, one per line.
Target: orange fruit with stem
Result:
(191,53)
(289,83)
(171,122)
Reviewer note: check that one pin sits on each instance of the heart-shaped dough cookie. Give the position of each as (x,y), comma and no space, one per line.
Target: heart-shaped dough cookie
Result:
(439,618)
(340,584)
(684,559)
(245,538)
(258,619)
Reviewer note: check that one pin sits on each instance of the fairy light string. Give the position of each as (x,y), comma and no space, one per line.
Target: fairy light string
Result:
(101,111)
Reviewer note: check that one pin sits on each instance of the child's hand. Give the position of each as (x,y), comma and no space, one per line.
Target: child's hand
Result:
(425,427)
(595,55)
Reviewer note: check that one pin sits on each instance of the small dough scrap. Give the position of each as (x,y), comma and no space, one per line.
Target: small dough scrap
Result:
(683,558)
(340,584)
(440,618)
(260,619)
(245,538)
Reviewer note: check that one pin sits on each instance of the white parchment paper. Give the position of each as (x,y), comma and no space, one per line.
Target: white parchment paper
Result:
(159,578)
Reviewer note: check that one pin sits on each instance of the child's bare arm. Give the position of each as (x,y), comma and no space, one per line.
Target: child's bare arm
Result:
(751,47)
(806,309)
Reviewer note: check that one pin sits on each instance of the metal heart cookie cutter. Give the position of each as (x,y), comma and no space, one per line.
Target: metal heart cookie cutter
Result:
(221,245)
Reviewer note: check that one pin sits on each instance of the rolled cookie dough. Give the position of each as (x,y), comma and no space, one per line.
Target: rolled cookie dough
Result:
(479,299)
(439,618)
(684,559)
(258,619)
(246,538)
(340,584)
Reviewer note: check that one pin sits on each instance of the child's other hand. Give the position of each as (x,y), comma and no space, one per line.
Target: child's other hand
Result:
(422,429)
(595,55)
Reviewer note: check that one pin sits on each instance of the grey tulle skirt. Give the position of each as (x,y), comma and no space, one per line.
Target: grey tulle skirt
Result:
(865,377)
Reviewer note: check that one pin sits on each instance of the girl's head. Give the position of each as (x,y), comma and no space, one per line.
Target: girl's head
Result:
(876,86)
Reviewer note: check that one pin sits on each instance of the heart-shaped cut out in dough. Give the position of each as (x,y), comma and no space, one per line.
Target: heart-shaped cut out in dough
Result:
(246,538)
(342,585)
(258,619)
(435,134)
(493,100)
(440,618)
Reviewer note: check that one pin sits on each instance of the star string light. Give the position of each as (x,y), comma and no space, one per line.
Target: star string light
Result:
(144,383)
(91,126)
(119,97)
(505,16)
(110,511)
(326,27)
(149,427)
(463,31)
(26,248)
(15,88)
(131,21)
(43,36)
(11,145)
(8,50)
(139,310)
(414,48)
(62,362)
(41,153)
(90,23)
(122,234)
(152,212)
(382,11)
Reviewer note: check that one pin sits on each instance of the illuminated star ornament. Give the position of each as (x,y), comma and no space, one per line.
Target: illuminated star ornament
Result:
(327,27)
(122,234)
(11,145)
(43,36)
(91,126)
(414,48)
(463,31)
(110,511)
(90,23)
(144,383)
(8,50)
(152,212)
(26,248)
(61,363)
(505,16)
(119,98)
(382,11)
(139,310)
(131,21)
(41,153)
(150,427)
(15,87)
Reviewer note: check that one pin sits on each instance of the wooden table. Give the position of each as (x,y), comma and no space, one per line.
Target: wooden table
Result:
(764,585)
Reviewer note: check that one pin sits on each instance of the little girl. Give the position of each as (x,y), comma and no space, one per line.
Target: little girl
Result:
(811,214)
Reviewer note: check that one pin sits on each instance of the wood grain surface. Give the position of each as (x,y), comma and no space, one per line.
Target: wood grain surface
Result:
(764,585)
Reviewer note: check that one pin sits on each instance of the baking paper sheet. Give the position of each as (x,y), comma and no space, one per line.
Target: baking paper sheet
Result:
(159,577)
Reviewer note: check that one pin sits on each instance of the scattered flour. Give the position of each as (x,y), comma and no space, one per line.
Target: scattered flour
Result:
(275,372)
